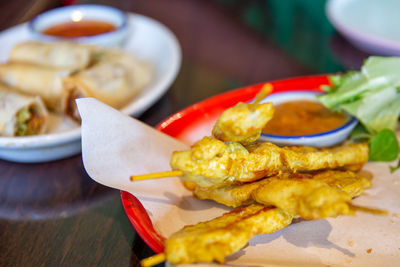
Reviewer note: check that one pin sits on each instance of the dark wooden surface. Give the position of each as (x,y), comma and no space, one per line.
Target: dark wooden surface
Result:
(53,214)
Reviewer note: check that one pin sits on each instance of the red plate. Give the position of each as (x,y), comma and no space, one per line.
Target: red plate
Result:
(185,120)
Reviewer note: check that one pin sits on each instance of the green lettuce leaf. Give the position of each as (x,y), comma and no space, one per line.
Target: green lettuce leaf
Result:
(384,146)
(372,95)
(352,89)
(395,168)
(383,67)
(377,110)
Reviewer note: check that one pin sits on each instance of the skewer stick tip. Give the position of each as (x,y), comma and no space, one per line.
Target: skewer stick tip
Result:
(156,175)
(153,260)
(265,90)
(368,210)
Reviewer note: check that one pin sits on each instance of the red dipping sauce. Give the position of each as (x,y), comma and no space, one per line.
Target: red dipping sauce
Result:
(80,28)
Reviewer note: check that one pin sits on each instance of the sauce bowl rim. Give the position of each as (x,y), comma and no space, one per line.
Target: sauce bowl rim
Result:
(351,122)
(118,28)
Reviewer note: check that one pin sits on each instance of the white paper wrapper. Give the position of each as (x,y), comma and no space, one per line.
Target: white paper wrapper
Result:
(115,146)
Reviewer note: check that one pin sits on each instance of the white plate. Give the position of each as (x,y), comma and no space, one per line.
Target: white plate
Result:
(149,40)
(371,25)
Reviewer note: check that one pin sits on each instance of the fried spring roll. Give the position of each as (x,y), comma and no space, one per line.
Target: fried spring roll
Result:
(21,115)
(115,79)
(32,79)
(64,55)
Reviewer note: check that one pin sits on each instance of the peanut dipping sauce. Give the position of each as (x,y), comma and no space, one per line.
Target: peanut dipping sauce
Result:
(303,117)
(80,28)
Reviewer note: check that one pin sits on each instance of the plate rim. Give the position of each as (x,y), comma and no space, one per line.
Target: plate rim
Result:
(133,108)
(354,33)
(172,125)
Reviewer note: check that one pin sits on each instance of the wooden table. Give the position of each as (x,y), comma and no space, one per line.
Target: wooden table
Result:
(53,214)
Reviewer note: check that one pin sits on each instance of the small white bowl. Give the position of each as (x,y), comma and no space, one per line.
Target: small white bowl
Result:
(370,25)
(325,139)
(59,15)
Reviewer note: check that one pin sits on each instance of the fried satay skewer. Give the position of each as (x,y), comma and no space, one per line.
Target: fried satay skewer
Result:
(220,237)
(244,122)
(236,195)
(309,196)
(211,162)
(228,158)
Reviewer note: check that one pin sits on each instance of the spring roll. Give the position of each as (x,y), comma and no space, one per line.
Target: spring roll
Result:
(64,55)
(115,79)
(32,79)
(21,115)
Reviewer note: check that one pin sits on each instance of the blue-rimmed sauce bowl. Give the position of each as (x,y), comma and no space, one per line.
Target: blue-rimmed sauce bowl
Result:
(322,139)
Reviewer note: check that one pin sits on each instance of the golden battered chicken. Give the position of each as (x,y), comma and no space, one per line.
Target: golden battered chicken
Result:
(239,195)
(243,123)
(350,182)
(215,239)
(351,156)
(189,185)
(211,162)
(233,195)
(306,198)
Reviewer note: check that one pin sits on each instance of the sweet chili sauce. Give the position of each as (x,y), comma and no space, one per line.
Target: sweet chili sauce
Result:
(303,117)
(80,28)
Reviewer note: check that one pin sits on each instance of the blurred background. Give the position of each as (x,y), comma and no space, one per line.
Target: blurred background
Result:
(230,43)
(54,213)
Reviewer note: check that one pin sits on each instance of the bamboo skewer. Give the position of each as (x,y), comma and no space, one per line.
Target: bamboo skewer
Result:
(156,175)
(265,90)
(153,260)
(368,210)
